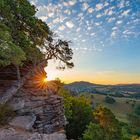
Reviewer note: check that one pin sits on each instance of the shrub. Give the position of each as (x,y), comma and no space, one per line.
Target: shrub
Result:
(109,100)
(5,112)
(79,114)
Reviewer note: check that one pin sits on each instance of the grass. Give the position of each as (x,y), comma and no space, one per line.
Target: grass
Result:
(120,108)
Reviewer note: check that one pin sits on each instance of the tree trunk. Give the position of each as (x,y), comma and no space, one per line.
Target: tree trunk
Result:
(18,73)
(13,89)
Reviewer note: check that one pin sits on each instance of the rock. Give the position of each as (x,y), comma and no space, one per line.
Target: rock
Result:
(17,103)
(24,122)
(12,134)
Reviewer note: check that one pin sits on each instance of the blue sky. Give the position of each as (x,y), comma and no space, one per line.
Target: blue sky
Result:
(105,37)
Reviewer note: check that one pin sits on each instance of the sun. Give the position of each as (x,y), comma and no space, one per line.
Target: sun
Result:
(50,76)
(45,80)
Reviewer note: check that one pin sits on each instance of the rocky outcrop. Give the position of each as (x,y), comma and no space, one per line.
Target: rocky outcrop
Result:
(13,134)
(39,113)
(39,110)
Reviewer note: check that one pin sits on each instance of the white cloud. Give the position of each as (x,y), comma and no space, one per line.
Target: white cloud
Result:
(50,14)
(125,13)
(61,28)
(110,12)
(90,10)
(43,18)
(111,19)
(72,2)
(114,28)
(33,2)
(119,21)
(98,15)
(85,6)
(80,14)
(65,3)
(97,24)
(106,4)
(67,12)
(93,34)
(99,6)
(89,28)
(121,4)
(127,32)
(113,34)
(69,24)
(55,21)
(78,30)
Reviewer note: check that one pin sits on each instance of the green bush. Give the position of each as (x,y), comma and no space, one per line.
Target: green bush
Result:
(79,114)
(109,100)
(5,112)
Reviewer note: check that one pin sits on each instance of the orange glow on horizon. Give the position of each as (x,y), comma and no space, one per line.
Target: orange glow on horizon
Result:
(97,77)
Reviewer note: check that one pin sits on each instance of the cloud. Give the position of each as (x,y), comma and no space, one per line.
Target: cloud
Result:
(111,19)
(114,28)
(113,34)
(72,2)
(119,21)
(85,6)
(121,4)
(43,18)
(98,23)
(90,10)
(57,20)
(69,24)
(125,13)
(33,2)
(99,6)
(98,15)
(61,28)
(110,12)
(78,30)
(93,34)
(65,3)
(67,12)
(106,4)
(127,32)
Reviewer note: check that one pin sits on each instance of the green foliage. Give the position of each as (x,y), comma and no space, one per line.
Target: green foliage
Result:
(108,122)
(93,132)
(5,112)
(78,112)
(134,119)
(137,109)
(9,52)
(135,138)
(109,100)
(24,36)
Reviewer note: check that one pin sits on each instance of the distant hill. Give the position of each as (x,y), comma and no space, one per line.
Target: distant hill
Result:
(83,86)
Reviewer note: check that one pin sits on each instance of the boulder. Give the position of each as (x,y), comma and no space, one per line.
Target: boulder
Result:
(24,122)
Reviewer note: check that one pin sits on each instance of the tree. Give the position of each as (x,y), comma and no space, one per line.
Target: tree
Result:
(78,111)
(109,100)
(108,122)
(134,119)
(137,109)
(9,52)
(30,36)
(93,132)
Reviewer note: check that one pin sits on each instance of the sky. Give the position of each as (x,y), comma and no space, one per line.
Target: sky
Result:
(105,37)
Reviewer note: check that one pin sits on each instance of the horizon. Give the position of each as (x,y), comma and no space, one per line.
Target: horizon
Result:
(105,37)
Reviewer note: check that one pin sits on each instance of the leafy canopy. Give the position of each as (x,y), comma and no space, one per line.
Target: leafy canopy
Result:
(25,37)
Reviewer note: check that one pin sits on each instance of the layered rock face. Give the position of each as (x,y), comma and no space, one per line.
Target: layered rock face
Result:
(40,113)
(13,134)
